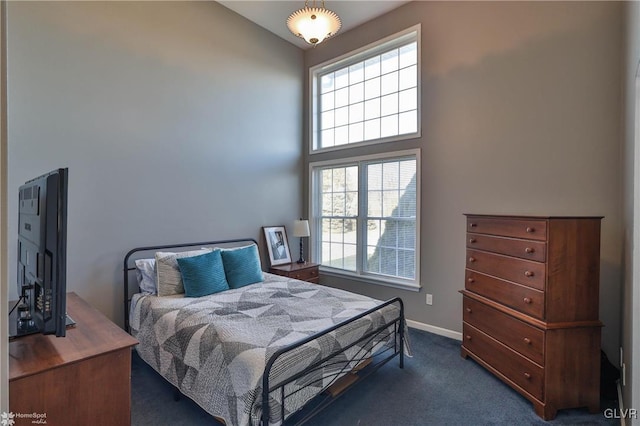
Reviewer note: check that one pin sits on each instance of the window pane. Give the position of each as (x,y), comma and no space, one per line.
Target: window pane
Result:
(341,136)
(351,179)
(408,54)
(341,116)
(356,113)
(372,67)
(327,120)
(408,77)
(389,104)
(372,88)
(408,122)
(350,253)
(356,93)
(327,101)
(341,78)
(408,100)
(327,204)
(338,200)
(327,137)
(351,205)
(326,83)
(374,203)
(372,129)
(392,250)
(356,132)
(374,176)
(372,109)
(389,83)
(389,61)
(389,126)
(390,175)
(356,73)
(341,97)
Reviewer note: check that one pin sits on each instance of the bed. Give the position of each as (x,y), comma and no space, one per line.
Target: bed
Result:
(269,352)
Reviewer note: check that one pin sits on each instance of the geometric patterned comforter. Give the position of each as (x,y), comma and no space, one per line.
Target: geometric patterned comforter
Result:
(215,348)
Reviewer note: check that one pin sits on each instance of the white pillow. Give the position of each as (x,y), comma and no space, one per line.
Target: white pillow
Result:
(146,274)
(168,275)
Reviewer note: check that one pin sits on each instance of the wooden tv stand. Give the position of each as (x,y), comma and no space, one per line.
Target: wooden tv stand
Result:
(81,379)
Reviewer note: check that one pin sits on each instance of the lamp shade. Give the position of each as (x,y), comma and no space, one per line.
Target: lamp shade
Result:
(314,24)
(301,228)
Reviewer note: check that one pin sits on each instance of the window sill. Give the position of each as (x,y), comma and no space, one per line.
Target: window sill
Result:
(370,279)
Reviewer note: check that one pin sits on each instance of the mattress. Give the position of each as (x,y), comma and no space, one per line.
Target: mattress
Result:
(215,348)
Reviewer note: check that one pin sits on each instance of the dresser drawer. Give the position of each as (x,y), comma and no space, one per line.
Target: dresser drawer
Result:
(521,271)
(525,249)
(521,337)
(308,274)
(511,364)
(519,228)
(525,299)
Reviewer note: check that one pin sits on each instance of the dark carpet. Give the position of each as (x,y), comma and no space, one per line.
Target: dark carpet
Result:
(436,387)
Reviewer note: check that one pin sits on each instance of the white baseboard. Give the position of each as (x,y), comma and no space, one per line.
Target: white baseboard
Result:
(435,330)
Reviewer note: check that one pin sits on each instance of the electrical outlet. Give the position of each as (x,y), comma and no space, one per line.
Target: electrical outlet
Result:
(429,299)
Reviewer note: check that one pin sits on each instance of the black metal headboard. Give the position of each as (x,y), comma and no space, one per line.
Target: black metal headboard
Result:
(128,268)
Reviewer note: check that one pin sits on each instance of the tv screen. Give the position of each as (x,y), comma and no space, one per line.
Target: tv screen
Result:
(42,256)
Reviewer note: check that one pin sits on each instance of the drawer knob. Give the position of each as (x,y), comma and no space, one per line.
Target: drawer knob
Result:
(472,240)
(471,280)
(467,337)
(473,225)
(530,230)
(529,250)
(527,340)
(469,310)
(527,300)
(472,259)
(527,375)
(528,274)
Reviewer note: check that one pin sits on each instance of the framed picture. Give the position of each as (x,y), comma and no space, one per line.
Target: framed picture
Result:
(277,245)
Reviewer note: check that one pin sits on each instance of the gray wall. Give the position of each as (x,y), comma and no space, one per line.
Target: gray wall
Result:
(631,163)
(179,121)
(520,115)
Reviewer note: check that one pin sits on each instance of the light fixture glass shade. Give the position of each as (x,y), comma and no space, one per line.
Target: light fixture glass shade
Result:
(314,24)
(301,228)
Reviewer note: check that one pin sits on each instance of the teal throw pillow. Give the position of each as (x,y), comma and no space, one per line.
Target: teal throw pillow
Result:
(242,266)
(203,275)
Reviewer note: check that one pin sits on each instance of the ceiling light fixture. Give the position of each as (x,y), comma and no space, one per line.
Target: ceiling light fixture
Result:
(314,24)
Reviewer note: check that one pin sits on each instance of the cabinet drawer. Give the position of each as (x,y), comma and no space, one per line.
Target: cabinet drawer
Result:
(524,249)
(305,274)
(521,337)
(511,364)
(519,228)
(521,271)
(525,299)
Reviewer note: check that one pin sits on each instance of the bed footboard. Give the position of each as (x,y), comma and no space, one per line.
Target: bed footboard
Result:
(366,362)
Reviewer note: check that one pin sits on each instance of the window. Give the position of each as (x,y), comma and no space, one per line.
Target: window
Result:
(368,96)
(364,216)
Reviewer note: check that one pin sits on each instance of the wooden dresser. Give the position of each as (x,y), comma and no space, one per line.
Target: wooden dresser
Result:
(530,307)
(301,271)
(81,379)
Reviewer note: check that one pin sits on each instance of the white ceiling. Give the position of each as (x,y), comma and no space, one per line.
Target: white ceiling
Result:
(273,14)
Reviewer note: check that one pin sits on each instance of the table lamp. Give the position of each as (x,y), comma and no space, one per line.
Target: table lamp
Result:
(301,230)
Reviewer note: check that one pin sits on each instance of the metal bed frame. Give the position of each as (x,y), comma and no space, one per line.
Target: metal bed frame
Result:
(392,330)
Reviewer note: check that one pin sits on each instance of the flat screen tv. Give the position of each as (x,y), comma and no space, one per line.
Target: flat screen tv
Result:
(42,257)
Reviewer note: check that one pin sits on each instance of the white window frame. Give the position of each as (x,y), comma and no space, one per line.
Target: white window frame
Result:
(355,56)
(314,222)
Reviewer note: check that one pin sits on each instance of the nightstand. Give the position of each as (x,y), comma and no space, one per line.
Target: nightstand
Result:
(301,271)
